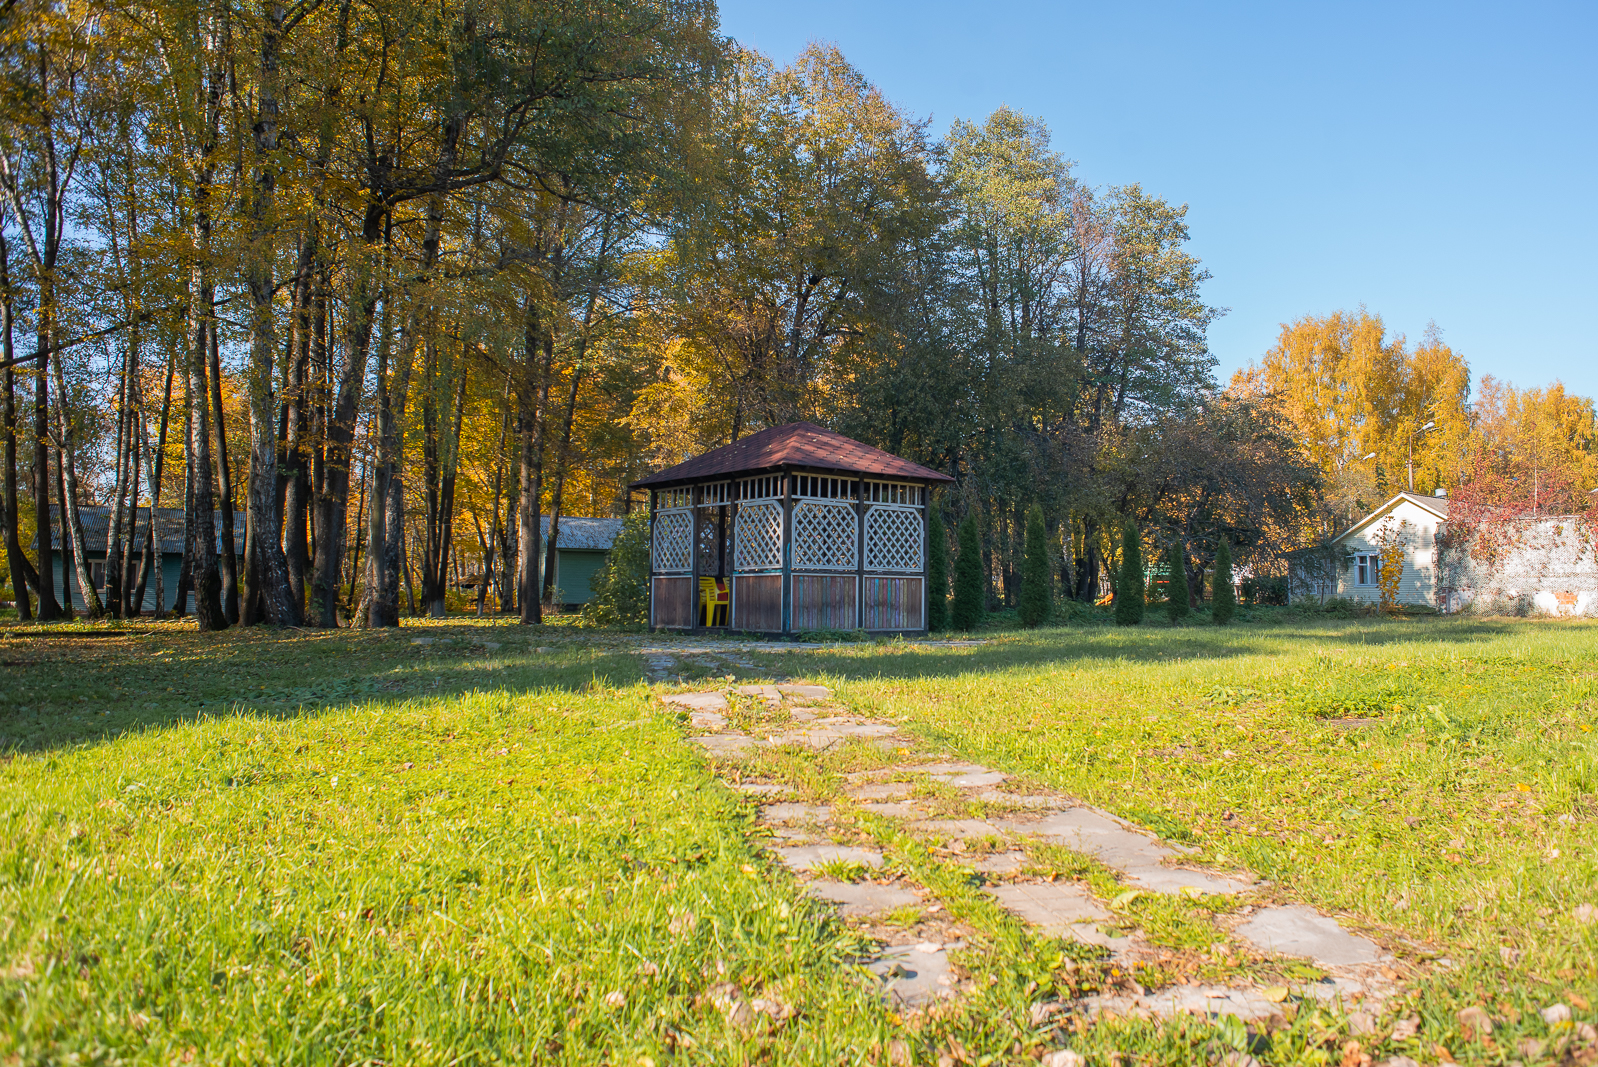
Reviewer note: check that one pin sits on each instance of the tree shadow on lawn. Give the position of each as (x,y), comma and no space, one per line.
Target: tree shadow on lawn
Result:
(64,690)
(1157,644)
(60,691)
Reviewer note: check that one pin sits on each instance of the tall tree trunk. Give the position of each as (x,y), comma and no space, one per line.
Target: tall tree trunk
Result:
(155,460)
(267,565)
(332,499)
(532,404)
(445,534)
(49,607)
(204,572)
(116,515)
(561,459)
(227,555)
(22,574)
(64,540)
(73,525)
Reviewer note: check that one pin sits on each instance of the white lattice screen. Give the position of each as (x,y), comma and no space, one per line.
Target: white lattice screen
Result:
(674,541)
(824,536)
(893,539)
(757,537)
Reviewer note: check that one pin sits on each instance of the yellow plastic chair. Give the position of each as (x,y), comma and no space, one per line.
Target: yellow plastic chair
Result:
(715,600)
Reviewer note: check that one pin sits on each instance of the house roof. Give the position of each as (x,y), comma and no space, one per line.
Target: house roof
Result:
(581,533)
(798,444)
(1437,505)
(168,525)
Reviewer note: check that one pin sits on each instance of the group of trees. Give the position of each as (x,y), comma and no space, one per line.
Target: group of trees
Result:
(398,281)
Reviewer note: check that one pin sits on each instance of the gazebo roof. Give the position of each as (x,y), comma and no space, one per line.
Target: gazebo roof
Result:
(798,444)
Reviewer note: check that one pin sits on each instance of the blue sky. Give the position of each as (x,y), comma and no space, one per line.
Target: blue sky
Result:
(1433,162)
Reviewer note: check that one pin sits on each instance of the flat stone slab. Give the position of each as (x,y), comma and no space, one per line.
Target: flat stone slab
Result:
(1051,906)
(1090,934)
(1177,879)
(1021,800)
(1207,1001)
(1136,855)
(697,701)
(764,692)
(978,780)
(959,829)
(821,738)
(725,744)
(892,809)
(863,898)
(914,975)
(762,789)
(1296,930)
(794,812)
(946,770)
(806,692)
(805,857)
(865,729)
(713,721)
(881,791)
(997,863)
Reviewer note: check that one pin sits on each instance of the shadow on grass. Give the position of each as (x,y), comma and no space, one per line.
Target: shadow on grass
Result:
(1155,643)
(62,689)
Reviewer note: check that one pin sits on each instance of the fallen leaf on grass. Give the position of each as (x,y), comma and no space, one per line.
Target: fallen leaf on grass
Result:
(1276,993)
(1475,1021)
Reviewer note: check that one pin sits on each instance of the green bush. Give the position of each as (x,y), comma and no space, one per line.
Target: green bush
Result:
(621,588)
(970,584)
(937,574)
(1129,586)
(1037,593)
(1176,589)
(1224,602)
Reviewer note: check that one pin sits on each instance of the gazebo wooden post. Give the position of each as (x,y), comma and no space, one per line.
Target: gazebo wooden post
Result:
(860,554)
(926,552)
(654,508)
(787,550)
(693,554)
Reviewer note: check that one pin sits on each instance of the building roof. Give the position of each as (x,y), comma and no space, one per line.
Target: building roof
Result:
(580,533)
(168,525)
(1437,505)
(798,444)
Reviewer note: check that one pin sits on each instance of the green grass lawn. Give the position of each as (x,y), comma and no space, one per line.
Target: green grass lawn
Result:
(343,847)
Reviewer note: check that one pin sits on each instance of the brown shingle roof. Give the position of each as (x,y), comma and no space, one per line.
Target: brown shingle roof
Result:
(798,444)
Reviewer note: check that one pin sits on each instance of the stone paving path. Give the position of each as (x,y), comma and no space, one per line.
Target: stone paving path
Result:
(748,730)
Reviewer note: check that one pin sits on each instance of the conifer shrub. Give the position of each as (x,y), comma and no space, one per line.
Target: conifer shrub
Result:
(1176,588)
(1037,593)
(1223,605)
(937,574)
(1129,585)
(621,588)
(970,584)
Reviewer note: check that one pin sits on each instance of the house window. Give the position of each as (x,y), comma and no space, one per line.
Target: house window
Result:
(1366,568)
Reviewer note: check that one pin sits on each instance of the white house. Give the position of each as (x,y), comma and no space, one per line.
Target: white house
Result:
(1410,523)
(1540,564)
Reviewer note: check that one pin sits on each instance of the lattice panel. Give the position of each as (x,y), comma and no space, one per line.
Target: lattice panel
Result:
(893,539)
(757,537)
(674,542)
(824,536)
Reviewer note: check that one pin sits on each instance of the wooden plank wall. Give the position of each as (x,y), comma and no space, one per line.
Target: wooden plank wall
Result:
(893,604)
(674,601)
(823,602)
(757,602)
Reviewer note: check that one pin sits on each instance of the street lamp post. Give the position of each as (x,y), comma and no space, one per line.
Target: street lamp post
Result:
(1412,437)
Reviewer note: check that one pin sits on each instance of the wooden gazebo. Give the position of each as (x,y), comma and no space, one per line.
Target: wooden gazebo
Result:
(790,529)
